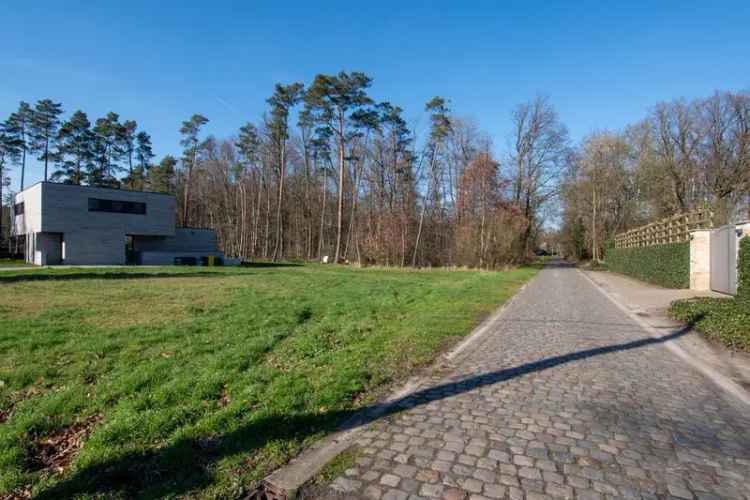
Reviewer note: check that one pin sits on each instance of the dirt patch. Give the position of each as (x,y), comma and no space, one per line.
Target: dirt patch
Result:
(5,413)
(224,398)
(19,494)
(14,399)
(52,453)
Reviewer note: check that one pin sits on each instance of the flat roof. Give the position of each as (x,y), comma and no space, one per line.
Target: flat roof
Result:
(114,190)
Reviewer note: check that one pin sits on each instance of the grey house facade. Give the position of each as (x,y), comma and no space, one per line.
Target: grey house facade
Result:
(83,225)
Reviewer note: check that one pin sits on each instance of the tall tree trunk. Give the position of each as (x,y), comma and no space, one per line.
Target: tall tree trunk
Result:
(46,157)
(23,159)
(279,248)
(340,204)
(424,205)
(323,214)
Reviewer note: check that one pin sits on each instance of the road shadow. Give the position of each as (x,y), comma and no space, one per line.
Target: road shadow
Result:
(187,464)
(558,263)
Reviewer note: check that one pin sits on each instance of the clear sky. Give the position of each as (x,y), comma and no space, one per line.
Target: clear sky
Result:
(602,64)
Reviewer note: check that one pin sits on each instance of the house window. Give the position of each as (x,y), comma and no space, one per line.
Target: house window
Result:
(18,209)
(116,206)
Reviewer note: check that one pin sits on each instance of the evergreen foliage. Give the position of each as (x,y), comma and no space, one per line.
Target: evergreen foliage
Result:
(665,265)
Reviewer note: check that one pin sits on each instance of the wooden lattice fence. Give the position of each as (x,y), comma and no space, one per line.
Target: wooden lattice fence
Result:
(668,230)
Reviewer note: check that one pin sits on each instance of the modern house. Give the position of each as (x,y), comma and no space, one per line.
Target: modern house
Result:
(84,225)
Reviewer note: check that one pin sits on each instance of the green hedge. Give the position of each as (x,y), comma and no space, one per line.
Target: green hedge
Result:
(743,265)
(724,320)
(666,265)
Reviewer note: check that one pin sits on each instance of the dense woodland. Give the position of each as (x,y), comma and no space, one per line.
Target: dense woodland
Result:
(328,171)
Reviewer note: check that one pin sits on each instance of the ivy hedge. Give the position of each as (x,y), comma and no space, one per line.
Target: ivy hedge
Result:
(666,265)
(725,320)
(743,268)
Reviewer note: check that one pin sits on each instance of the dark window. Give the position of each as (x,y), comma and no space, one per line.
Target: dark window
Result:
(18,209)
(116,206)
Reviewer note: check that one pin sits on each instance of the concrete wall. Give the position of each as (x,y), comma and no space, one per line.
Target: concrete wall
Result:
(700,255)
(700,260)
(44,249)
(184,240)
(85,247)
(60,208)
(187,242)
(167,258)
(65,208)
(31,220)
(89,237)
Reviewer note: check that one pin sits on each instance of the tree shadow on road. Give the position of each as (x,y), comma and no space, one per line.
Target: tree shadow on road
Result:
(187,464)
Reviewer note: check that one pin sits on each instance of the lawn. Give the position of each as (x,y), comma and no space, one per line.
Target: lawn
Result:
(13,263)
(193,381)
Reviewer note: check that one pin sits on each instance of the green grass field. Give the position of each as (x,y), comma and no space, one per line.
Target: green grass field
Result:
(13,263)
(194,381)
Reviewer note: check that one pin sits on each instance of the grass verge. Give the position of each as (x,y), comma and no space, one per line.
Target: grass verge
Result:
(160,382)
(724,320)
(13,263)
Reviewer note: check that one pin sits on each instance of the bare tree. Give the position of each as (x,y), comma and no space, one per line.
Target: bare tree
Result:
(539,152)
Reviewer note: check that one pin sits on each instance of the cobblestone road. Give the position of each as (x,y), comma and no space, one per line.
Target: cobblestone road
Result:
(566,397)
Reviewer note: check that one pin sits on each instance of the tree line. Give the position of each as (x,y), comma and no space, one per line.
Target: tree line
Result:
(684,155)
(327,171)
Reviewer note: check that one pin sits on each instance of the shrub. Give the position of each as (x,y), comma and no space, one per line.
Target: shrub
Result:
(743,269)
(724,320)
(666,265)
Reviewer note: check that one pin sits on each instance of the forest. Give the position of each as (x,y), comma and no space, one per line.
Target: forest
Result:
(683,155)
(327,171)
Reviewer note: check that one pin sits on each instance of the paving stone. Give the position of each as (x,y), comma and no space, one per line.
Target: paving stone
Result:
(588,495)
(454,494)
(404,470)
(679,491)
(395,495)
(529,473)
(559,491)
(565,397)
(345,485)
(494,490)
(373,492)
(390,480)
(472,485)
(432,490)
(427,476)
(509,480)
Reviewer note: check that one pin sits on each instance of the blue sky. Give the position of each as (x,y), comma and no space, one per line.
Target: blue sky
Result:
(602,65)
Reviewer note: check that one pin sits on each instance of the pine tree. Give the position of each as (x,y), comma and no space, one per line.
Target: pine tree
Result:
(126,142)
(190,131)
(136,178)
(108,151)
(283,99)
(10,151)
(45,122)
(161,177)
(19,127)
(75,150)
(331,99)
